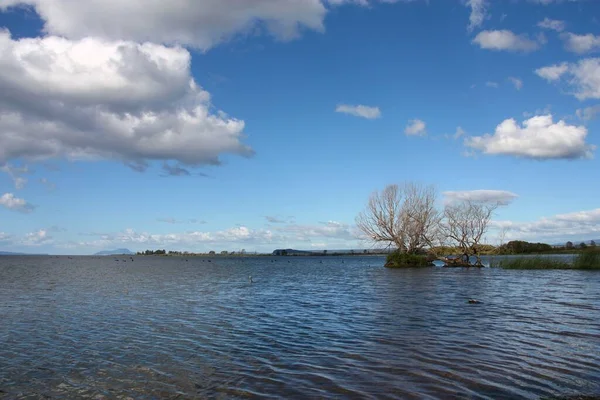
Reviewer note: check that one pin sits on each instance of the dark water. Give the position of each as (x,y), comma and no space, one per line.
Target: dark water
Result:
(161,327)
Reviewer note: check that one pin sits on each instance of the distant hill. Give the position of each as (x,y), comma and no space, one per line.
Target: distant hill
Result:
(114,252)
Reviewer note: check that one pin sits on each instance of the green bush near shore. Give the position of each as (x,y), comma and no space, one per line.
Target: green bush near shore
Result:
(589,259)
(405,260)
(532,263)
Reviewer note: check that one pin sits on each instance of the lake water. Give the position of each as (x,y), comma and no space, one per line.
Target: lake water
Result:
(331,327)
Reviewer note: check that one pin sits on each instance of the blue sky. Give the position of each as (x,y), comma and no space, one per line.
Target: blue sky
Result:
(220,125)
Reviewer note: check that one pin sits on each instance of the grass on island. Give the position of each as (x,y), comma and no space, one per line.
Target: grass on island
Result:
(405,260)
(589,259)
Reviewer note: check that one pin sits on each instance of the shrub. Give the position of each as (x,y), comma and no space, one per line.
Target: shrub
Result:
(588,259)
(532,263)
(405,260)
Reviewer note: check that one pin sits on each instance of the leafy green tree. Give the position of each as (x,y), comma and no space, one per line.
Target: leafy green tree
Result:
(569,246)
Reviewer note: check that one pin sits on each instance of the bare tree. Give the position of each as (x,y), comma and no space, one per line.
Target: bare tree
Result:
(465,224)
(404,217)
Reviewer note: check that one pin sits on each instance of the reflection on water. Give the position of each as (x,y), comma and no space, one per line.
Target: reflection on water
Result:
(162,327)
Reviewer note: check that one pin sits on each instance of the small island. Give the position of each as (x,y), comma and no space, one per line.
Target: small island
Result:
(406,219)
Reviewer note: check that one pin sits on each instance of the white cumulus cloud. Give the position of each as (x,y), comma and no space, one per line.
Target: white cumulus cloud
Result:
(90,99)
(505,40)
(501,197)
(581,44)
(539,138)
(416,127)
(359,111)
(11,202)
(201,24)
(581,79)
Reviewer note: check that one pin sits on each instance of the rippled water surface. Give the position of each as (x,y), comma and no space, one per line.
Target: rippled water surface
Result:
(162,327)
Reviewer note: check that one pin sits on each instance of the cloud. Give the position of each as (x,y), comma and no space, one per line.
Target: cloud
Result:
(329,229)
(359,111)
(547,2)
(36,238)
(518,83)
(539,138)
(478,13)
(459,132)
(581,44)
(5,238)
(506,40)
(49,185)
(200,24)
(94,99)
(588,113)
(290,235)
(416,127)
(491,84)
(581,79)
(579,225)
(11,202)
(553,24)
(16,174)
(501,197)
(175,170)
(538,111)
(170,220)
(275,220)
(56,228)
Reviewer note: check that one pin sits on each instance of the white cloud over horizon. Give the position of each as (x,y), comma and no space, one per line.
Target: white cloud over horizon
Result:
(284,235)
(505,40)
(501,197)
(93,99)
(359,111)
(580,225)
(538,138)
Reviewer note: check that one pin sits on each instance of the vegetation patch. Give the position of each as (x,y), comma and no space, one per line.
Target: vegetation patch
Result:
(532,263)
(588,259)
(406,260)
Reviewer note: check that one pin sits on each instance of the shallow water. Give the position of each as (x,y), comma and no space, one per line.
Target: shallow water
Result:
(332,327)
